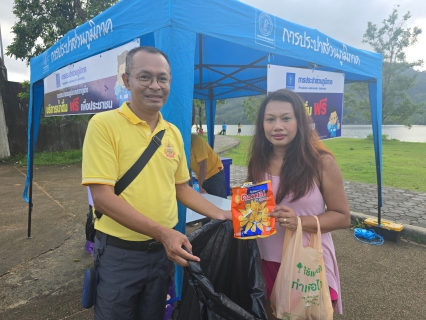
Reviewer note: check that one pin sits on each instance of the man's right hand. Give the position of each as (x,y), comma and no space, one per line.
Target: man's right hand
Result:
(173,241)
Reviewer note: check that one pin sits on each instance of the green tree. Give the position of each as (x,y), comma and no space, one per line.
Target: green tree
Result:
(41,23)
(26,93)
(251,106)
(199,112)
(391,40)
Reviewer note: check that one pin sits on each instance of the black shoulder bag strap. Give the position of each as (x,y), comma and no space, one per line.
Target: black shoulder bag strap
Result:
(137,167)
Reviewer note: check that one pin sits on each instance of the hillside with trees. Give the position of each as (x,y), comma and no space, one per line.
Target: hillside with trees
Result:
(391,40)
(232,112)
(418,95)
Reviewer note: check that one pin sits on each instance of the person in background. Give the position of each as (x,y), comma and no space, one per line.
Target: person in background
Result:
(223,131)
(305,179)
(135,243)
(239,129)
(208,168)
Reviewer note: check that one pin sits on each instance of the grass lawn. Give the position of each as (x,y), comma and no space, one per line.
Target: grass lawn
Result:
(49,158)
(404,163)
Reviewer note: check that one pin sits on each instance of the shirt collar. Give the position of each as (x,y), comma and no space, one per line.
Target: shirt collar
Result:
(125,111)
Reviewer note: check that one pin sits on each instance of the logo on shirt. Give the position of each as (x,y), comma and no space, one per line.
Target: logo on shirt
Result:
(168,150)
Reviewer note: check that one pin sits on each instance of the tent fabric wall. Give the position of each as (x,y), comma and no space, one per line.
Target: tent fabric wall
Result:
(218,49)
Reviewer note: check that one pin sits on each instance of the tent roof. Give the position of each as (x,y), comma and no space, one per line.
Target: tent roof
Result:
(234,44)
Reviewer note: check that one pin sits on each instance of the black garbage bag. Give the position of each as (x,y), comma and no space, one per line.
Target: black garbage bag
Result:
(228,282)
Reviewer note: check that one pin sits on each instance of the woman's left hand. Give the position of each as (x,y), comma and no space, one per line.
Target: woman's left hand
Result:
(285,217)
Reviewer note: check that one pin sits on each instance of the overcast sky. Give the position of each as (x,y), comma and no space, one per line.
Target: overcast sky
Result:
(345,21)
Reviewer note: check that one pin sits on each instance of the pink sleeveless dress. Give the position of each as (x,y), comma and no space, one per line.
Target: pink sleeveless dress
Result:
(311,204)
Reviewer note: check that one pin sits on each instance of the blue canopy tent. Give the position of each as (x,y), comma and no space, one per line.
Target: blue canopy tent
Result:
(218,49)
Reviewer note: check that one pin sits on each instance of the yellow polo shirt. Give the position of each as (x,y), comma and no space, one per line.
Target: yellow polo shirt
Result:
(200,150)
(114,141)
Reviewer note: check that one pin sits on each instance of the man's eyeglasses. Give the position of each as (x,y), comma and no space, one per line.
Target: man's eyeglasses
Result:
(146,80)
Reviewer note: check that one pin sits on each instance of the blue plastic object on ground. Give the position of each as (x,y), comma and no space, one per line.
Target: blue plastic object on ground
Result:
(368,236)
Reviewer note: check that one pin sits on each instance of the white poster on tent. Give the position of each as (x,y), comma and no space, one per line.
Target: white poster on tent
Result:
(322,92)
(88,86)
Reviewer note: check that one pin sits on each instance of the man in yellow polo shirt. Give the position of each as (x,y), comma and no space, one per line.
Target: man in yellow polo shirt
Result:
(134,271)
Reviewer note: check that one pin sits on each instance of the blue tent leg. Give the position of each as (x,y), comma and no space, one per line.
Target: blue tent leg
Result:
(210,118)
(35,107)
(179,270)
(30,172)
(179,45)
(376,120)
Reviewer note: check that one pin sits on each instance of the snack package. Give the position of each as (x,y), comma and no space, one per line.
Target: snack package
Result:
(251,204)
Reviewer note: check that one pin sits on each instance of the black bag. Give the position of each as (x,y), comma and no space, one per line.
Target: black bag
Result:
(90,227)
(90,283)
(228,283)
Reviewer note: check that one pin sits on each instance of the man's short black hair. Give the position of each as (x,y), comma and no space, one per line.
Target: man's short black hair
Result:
(149,49)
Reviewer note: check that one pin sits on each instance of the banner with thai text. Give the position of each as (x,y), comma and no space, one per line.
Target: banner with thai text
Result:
(322,92)
(88,86)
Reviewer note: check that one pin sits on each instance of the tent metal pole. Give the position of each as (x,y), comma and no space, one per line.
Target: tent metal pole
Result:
(379,215)
(379,190)
(31,170)
(212,119)
(200,57)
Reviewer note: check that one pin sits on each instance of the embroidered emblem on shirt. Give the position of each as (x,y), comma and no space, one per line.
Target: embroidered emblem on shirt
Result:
(168,150)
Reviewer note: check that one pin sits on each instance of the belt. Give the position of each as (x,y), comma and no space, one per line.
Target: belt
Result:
(148,245)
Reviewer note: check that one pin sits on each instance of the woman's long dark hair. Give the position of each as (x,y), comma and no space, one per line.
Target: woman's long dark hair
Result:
(302,161)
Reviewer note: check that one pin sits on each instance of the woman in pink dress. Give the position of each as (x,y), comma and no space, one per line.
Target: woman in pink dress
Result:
(306,181)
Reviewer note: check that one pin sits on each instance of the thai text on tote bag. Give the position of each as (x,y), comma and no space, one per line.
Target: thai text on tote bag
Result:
(301,289)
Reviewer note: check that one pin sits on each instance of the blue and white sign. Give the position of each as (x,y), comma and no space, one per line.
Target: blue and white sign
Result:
(322,92)
(88,86)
